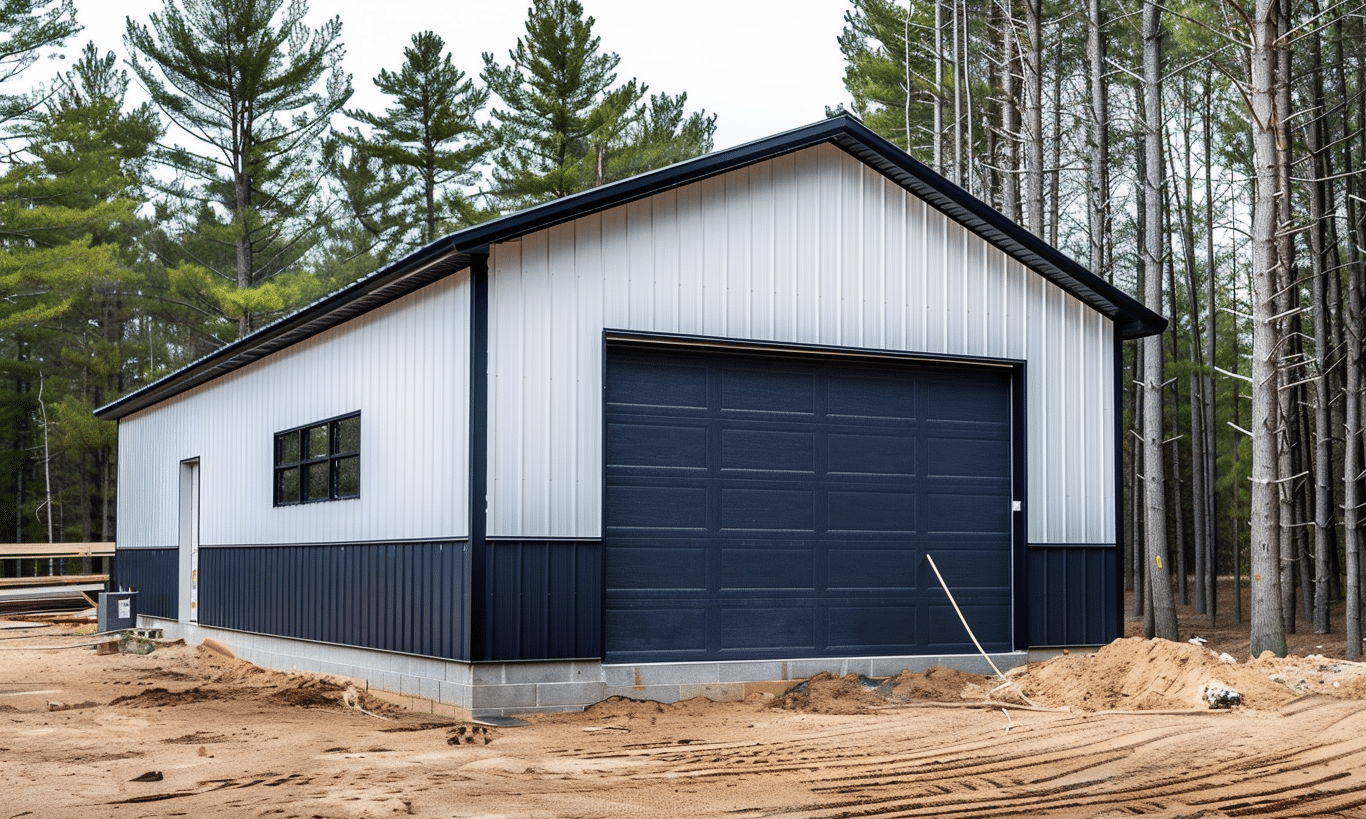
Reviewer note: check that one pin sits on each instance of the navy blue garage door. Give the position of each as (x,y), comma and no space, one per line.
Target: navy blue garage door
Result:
(767,507)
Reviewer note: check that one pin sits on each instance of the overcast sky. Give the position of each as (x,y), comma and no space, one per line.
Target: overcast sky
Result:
(763,66)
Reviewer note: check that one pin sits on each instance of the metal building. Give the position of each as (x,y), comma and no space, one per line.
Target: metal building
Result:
(679,435)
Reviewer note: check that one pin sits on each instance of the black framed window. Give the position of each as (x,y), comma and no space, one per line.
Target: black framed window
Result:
(319,462)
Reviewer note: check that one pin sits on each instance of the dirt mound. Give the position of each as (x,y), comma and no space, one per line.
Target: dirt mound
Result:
(625,708)
(219,675)
(941,684)
(1144,675)
(827,694)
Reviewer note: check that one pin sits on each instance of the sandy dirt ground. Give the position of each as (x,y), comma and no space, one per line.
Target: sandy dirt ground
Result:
(186,731)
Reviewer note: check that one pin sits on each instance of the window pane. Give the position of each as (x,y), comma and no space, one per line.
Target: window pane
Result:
(348,477)
(348,435)
(317,481)
(287,448)
(287,485)
(317,441)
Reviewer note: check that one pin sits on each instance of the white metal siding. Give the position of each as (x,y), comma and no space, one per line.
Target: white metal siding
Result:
(404,366)
(814,248)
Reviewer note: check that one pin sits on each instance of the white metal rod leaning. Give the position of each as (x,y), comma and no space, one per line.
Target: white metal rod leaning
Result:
(963,619)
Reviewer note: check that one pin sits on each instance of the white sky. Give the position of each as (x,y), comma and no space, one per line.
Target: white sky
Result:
(763,66)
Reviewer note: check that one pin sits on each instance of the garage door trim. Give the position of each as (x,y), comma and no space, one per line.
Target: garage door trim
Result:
(627,340)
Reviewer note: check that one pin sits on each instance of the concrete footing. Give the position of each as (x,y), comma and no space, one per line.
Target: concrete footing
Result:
(473,690)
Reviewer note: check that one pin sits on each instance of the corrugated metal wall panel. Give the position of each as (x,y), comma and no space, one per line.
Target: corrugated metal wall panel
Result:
(813,248)
(152,574)
(396,597)
(544,600)
(1070,589)
(404,367)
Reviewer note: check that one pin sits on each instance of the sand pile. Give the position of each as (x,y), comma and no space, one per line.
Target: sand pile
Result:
(216,674)
(1144,675)
(941,684)
(857,694)
(827,694)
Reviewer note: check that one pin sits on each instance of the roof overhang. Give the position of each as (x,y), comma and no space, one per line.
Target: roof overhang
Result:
(453,253)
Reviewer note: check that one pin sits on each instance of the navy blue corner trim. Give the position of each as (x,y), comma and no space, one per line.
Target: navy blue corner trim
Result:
(1019,479)
(453,252)
(480,636)
(1118,444)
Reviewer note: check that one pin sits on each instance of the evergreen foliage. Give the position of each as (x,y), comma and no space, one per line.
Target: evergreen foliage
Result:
(72,329)
(263,113)
(565,125)
(430,130)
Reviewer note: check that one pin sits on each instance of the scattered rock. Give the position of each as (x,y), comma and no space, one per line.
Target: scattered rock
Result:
(1219,695)
(150,776)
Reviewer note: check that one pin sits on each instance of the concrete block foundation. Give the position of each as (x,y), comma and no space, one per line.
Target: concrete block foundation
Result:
(473,690)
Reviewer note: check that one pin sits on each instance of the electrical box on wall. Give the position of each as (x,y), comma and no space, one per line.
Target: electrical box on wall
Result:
(117,610)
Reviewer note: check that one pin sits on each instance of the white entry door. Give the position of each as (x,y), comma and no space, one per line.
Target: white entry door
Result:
(189,541)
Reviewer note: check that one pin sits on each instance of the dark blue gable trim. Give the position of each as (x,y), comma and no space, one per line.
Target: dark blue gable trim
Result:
(479,636)
(1116,614)
(1134,319)
(454,252)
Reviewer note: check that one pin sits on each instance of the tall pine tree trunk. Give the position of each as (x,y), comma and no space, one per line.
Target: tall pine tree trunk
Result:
(1098,198)
(1325,522)
(1268,626)
(1154,470)
(1032,80)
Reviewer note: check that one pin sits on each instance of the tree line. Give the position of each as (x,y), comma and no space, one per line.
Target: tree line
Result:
(138,238)
(1206,157)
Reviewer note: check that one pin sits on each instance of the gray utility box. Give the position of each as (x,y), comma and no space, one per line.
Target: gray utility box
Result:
(117,610)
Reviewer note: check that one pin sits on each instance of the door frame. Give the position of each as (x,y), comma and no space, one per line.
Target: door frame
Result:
(614,339)
(187,544)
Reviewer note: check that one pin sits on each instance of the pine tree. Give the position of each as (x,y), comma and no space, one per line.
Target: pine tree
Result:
(370,219)
(431,130)
(258,88)
(565,124)
(69,331)
(26,27)
(661,135)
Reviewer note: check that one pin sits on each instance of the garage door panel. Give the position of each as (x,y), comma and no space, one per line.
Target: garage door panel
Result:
(800,527)
(667,632)
(968,566)
(679,387)
(990,621)
(658,507)
(657,445)
(959,457)
(964,400)
(785,629)
(872,629)
(871,397)
(856,569)
(777,510)
(871,454)
(964,512)
(767,449)
(746,390)
(744,569)
(655,566)
(886,512)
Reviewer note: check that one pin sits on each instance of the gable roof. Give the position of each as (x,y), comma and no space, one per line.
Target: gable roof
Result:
(452,253)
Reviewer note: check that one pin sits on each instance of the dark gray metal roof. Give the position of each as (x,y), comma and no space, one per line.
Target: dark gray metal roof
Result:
(453,252)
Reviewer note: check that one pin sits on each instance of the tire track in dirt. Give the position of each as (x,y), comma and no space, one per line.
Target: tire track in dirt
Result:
(1066,766)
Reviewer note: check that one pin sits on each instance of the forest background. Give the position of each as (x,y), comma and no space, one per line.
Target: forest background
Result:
(1204,156)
